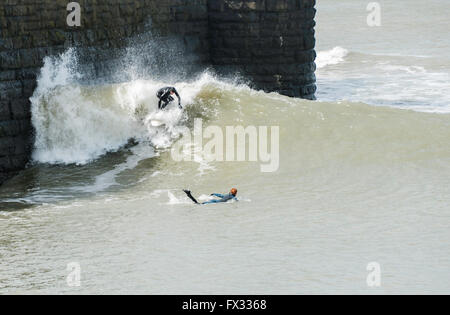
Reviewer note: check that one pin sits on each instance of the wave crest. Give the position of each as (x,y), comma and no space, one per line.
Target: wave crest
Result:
(331,57)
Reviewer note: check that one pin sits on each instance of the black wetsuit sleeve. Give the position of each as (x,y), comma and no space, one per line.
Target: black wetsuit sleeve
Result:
(189,194)
(178,95)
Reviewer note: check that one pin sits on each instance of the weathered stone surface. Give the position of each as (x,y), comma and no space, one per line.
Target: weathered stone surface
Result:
(10,90)
(270,42)
(7,146)
(20,109)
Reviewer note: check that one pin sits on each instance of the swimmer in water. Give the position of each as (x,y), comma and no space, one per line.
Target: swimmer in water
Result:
(222,198)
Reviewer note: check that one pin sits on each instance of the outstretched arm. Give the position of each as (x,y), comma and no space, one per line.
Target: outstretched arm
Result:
(159,104)
(218,195)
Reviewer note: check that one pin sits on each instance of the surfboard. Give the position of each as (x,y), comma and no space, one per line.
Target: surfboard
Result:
(157,123)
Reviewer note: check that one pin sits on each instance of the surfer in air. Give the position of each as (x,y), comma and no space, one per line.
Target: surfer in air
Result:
(165,96)
(222,198)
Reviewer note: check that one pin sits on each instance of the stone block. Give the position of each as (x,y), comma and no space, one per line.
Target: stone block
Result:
(20,109)
(5,111)
(10,90)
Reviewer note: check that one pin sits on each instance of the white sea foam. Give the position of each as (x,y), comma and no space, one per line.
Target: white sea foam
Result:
(75,124)
(174,200)
(408,82)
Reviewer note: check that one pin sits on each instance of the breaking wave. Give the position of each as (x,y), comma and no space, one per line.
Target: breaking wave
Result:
(76,123)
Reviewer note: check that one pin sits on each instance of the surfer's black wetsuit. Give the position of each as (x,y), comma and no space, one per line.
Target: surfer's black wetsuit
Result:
(165,97)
